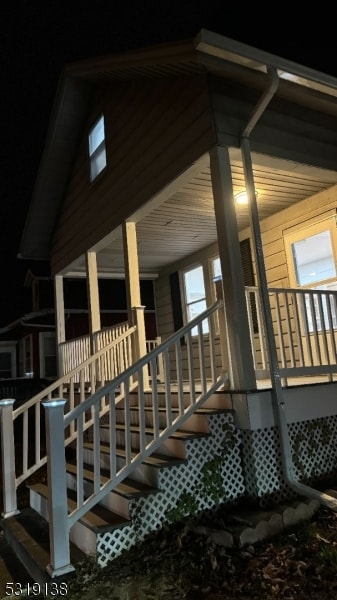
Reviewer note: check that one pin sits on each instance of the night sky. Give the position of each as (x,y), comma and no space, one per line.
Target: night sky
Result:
(38,38)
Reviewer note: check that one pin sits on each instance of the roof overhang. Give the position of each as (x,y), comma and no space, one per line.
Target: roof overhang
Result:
(208,52)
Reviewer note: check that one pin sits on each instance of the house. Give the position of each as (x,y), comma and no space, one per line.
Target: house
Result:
(147,159)
(28,345)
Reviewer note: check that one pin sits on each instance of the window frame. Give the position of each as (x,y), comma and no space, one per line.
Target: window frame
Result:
(9,347)
(185,302)
(26,356)
(296,235)
(97,151)
(43,335)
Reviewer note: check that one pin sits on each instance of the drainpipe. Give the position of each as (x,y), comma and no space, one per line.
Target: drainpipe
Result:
(277,391)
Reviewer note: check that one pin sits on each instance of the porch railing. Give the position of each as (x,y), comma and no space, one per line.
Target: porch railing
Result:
(75,352)
(200,374)
(77,385)
(151,345)
(305,329)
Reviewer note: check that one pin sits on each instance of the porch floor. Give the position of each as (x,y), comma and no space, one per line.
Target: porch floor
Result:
(263,384)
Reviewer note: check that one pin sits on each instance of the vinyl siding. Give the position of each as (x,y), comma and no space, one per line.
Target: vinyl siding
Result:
(154,131)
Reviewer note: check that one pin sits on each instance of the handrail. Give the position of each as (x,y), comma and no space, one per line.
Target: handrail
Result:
(305,330)
(65,379)
(74,352)
(33,451)
(142,362)
(203,378)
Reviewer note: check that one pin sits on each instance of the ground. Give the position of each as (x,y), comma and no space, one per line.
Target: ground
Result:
(177,564)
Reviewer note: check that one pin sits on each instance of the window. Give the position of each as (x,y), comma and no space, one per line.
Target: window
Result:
(248,277)
(97,153)
(48,363)
(26,356)
(7,360)
(311,258)
(195,295)
(5,365)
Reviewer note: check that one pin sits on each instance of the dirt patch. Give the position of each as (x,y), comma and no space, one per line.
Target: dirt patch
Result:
(177,564)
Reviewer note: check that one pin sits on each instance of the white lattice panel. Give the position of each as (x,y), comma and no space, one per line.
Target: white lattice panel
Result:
(314,454)
(150,513)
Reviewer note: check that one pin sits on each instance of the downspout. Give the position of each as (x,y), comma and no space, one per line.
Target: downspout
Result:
(277,391)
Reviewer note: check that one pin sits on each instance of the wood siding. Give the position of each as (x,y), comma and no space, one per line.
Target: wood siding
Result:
(274,228)
(164,312)
(154,131)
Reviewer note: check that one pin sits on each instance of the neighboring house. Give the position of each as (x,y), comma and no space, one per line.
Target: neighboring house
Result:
(28,346)
(146,159)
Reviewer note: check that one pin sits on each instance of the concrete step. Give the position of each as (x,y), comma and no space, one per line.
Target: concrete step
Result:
(27,536)
(85,531)
(119,499)
(146,472)
(12,570)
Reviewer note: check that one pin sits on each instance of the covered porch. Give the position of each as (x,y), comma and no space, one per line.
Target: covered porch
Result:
(159,243)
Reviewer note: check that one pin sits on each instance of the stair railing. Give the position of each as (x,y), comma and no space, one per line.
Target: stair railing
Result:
(23,429)
(191,362)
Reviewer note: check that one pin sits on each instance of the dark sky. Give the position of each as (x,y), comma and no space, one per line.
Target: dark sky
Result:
(39,37)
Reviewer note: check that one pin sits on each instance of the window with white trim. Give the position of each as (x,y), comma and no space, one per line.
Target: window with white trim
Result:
(97,152)
(311,255)
(194,294)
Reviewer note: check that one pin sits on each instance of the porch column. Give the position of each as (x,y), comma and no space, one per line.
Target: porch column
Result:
(60,321)
(93,297)
(132,283)
(241,367)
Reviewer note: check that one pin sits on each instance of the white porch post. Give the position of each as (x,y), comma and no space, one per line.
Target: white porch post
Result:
(241,368)
(132,283)
(93,297)
(57,483)
(60,321)
(8,458)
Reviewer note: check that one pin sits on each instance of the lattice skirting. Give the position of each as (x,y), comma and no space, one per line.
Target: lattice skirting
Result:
(151,512)
(314,455)
(250,466)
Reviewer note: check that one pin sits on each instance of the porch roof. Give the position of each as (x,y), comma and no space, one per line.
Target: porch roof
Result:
(208,52)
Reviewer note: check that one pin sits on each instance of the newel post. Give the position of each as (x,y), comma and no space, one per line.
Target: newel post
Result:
(223,334)
(139,320)
(57,483)
(8,458)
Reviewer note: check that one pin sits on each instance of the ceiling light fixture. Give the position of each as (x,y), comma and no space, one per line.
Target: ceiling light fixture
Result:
(241,198)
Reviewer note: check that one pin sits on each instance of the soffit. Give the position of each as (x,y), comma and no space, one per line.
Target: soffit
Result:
(185,222)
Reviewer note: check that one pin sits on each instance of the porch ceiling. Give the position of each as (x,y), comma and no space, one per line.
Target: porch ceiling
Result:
(185,223)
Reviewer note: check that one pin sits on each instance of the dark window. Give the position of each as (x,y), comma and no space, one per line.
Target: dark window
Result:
(248,277)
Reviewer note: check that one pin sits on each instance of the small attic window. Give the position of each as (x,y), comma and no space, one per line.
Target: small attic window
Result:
(97,152)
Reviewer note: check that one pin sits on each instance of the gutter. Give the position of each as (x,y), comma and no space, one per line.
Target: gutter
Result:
(277,391)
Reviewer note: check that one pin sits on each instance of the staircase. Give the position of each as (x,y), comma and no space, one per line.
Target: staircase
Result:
(134,457)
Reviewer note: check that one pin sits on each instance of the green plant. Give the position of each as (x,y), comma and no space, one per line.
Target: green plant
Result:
(210,484)
(187,506)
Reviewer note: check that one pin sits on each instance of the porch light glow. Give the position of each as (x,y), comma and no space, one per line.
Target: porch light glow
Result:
(241,198)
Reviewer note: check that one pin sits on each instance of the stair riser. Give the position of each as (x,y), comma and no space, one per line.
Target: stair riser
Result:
(113,501)
(84,538)
(143,473)
(195,422)
(220,400)
(171,447)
